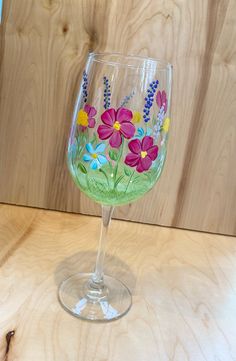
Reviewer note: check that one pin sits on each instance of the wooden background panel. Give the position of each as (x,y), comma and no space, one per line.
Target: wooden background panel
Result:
(44,47)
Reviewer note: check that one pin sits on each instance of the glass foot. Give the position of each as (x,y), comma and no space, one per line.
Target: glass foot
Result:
(89,300)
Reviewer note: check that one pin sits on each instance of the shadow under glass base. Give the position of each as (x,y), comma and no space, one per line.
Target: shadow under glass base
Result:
(84,299)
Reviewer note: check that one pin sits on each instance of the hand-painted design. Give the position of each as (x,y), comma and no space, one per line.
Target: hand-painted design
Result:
(162,103)
(161,127)
(86,116)
(156,131)
(166,125)
(98,158)
(161,100)
(117,124)
(107,93)
(141,133)
(85,86)
(95,156)
(143,153)
(159,123)
(137,117)
(161,115)
(127,99)
(108,158)
(149,100)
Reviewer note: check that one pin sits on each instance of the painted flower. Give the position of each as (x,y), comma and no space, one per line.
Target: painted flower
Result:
(95,156)
(85,117)
(136,117)
(116,124)
(166,125)
(161,100)
(143,153)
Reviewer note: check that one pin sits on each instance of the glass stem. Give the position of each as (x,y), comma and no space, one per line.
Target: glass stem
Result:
(106,218)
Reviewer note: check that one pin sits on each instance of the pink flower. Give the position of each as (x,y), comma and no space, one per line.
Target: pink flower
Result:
(116,124)
(143,153)
(161,99)
(85,117)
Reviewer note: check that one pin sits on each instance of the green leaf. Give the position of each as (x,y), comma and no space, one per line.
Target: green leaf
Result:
(128,172)
(82,168)
(113,155)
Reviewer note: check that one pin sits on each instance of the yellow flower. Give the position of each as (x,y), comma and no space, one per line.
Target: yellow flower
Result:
(136,117)
(82,118)
(166,125)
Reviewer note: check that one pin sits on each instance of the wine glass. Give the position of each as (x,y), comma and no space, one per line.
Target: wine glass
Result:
(116,153)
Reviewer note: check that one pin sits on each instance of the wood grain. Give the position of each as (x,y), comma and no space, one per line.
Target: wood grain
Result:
(183,285)
(43,49)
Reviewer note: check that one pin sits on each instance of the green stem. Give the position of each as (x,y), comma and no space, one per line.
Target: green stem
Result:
(147,175)
(77,147)
(117,162)
(111,168)
(104,173)
(80,144)
(129,181)
(87,182)
(94,139)
(118,181)
(154,121)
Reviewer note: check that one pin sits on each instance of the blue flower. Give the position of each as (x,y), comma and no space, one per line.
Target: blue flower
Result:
(96,159)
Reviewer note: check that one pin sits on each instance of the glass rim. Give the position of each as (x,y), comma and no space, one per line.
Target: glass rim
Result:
(150,61)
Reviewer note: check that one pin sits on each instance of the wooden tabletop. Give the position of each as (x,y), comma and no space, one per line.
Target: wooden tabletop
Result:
(183,285)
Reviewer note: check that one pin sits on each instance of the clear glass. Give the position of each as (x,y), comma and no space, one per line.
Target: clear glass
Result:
(116,153)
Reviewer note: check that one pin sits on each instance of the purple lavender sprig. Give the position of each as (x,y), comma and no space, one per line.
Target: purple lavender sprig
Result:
(149,100)
(159,123)
(127,98)
(85,86)
(107,93)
